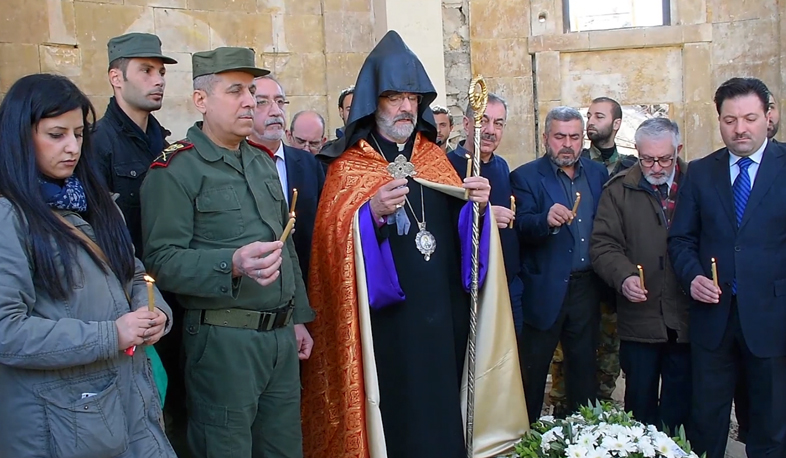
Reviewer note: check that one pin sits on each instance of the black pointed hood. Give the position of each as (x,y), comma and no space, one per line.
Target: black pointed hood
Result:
(391,66)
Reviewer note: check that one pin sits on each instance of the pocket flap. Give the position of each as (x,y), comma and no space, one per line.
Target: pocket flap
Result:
(217,199)
(67,394)
(274,187)
(130,170)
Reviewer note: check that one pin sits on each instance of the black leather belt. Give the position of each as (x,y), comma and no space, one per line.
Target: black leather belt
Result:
(249,319)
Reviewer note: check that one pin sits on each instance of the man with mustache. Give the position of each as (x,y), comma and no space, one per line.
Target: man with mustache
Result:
(604,118)
(730,210)
(494,168)
(631,228)
(213,213)
(389,272)
(127,139)
(561,298)
(297,168)
(775,119)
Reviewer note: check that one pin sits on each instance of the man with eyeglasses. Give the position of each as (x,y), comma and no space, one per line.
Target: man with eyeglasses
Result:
(307,131)
(297,168)
(388,278)
(631,229)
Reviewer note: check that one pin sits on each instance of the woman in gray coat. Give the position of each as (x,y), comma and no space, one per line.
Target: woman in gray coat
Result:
(72,295)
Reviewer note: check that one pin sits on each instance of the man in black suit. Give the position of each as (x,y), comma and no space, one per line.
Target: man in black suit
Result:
(297,169)
(561,299)
(731,210)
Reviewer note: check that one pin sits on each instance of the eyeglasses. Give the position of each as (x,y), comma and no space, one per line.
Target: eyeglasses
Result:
(303,143)
(662,161)
(398,98)
(267,103)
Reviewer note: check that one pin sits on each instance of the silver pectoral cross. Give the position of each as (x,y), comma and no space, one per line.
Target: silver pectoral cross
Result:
(401,168)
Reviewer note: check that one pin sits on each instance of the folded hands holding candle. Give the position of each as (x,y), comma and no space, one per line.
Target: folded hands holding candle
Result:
(140,327)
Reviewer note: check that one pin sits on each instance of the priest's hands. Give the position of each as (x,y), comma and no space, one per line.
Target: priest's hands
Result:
(389,198)
(259,261)
(479,190)
(304,342)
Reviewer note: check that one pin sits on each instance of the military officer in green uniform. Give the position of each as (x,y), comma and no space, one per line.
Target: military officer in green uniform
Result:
(212,213)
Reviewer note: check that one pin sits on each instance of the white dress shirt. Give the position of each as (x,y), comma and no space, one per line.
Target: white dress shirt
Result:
(753,169)
(281,165)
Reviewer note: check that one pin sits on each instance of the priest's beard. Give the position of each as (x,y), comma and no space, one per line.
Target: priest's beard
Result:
(399,133)
(562,161)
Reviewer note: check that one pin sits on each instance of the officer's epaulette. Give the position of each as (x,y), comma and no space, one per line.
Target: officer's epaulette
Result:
(169,152)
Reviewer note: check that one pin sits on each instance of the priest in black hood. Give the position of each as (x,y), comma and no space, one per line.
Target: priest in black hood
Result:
(389,279)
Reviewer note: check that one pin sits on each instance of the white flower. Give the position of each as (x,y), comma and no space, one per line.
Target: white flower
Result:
(646,449)
(599,452)
(636,432)
(663,445)
(619,444)
(587,440)
(547,418)
(576,451)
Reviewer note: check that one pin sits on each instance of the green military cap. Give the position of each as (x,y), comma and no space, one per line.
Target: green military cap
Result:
(225,59)
(133,45)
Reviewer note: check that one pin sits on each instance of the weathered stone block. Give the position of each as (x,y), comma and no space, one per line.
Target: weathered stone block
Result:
(498,19)
(180,4)
(517,92)
(179,79)
(299,103)
(700,128)
(303,7)
(501,58)
(358,6)
(241,29)
(635,38)
(93,79)
(548,75)
(304,34)
(697,62)
(652,75)
(63,60)
(518,141)
(185,30)
(97,23)
(178,114)
(62,23)
(99,103)
(736,53)
(246,6)
(688,12)
(725,11)
(16,61)
(24,21)
(553,12)
(566,42)
(697,33)
(348,32)
(300,74)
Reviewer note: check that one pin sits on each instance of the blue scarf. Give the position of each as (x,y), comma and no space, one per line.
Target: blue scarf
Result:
(70,196)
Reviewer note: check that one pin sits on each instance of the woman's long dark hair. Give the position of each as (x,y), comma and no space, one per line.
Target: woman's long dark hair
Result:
(31,99)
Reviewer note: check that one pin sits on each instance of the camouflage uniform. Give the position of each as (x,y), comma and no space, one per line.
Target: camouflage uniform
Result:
(609,344)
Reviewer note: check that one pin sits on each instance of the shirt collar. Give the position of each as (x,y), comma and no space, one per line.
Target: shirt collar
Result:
(756,157)
(280,151)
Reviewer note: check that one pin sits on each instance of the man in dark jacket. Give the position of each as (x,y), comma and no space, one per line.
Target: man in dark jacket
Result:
(129,137)
(630,230)
(127,140)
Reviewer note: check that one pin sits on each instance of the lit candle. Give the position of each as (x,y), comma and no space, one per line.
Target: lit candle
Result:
(469,173)
(714,272)
(151,300)
(641,276)
(294,201)
(513,209)
(287,229)
(576,204)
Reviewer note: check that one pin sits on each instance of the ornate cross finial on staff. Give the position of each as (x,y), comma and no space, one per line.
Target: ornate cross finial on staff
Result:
(478,99)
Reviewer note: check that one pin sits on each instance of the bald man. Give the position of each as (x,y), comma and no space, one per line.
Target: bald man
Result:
(307,131)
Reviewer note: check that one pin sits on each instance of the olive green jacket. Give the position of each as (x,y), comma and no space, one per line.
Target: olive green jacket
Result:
(199,205)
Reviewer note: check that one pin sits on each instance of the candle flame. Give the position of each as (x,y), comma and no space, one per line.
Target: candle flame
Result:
(713,259)
(149,279)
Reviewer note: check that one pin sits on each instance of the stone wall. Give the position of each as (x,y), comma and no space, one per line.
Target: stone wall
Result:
(315,47)
(680,65)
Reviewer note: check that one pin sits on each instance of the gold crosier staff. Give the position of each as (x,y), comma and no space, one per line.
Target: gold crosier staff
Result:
(478,98)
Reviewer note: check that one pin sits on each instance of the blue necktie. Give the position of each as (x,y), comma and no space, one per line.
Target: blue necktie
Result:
(742,190)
